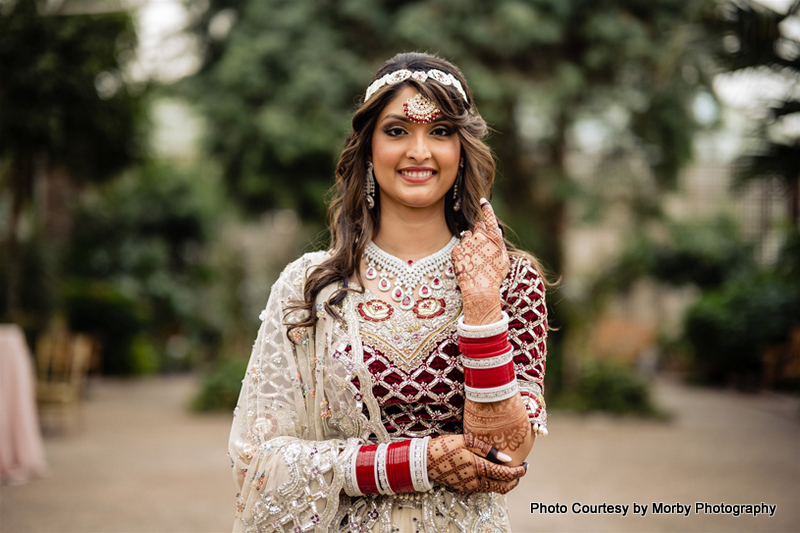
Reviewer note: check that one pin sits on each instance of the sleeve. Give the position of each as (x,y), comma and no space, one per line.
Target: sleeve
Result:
(524,301)
(286,480)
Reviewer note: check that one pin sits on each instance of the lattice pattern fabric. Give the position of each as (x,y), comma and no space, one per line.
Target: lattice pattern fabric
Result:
(523,294)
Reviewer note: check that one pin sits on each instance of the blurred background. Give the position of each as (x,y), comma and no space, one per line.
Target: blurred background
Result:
(162,160)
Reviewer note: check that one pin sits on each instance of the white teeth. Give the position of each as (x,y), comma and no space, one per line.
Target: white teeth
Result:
(417,175)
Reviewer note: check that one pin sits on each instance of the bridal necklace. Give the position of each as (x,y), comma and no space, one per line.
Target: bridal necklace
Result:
(427,273)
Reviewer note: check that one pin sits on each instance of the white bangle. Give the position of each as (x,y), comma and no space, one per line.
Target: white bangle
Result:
(487,330)
(489,362)
(493,394)
(350,479)
(418,461)
(381,478)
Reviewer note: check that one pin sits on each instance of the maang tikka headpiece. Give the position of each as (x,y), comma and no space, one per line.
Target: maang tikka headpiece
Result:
(420,109)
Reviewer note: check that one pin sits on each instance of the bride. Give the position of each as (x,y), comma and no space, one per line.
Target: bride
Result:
(396,380)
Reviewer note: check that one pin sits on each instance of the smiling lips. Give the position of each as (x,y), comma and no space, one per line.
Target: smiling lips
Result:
(416,174)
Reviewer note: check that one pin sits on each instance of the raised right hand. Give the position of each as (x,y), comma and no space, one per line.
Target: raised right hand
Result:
(458,461)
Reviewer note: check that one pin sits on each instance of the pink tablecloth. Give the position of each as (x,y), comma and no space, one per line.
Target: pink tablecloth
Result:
(21,450)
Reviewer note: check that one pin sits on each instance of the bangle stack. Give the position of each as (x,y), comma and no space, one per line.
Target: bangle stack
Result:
(488,362)
(389,468)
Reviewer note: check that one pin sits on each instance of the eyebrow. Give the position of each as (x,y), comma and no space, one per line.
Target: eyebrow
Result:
(393,116)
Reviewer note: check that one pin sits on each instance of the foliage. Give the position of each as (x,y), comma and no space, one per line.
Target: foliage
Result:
(728,328)
(36,285)
(136,264)
(705,254)
(52,68)
(609,388)
(63,105)
(116,318)
(220,388)
(760,42)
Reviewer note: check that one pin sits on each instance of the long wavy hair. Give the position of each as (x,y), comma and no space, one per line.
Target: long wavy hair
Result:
(352,224)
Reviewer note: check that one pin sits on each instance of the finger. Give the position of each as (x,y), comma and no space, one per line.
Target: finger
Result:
(466,234)
(499,472)
(477,446)
(492,225)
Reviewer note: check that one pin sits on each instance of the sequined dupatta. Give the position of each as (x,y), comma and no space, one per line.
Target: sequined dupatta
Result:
(294,427)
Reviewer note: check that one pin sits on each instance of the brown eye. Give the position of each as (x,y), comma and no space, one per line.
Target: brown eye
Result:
(394,131)
(442,131)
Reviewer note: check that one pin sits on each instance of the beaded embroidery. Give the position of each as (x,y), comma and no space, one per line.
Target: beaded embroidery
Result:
(407,337)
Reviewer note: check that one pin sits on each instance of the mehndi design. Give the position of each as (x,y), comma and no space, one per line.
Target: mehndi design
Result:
(481,262)
(457,461)
(504,425)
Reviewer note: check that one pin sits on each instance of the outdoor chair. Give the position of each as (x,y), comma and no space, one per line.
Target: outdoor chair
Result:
(62,361)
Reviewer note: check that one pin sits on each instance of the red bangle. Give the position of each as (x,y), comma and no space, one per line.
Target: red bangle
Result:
(487,354)
(481,350)
(470,346)
(398,467)
(486,378)
(365,469)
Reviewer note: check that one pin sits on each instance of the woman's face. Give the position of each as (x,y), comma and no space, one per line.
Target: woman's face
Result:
(415,164)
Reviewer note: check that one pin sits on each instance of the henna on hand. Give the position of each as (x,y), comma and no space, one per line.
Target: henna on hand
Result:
(504,424)
(481,264)
(483,308)
(457,461)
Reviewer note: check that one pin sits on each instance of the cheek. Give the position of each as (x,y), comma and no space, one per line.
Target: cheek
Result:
(452,154)
(454,147)
(384,154)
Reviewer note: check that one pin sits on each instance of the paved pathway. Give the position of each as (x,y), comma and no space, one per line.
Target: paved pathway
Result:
(144,464)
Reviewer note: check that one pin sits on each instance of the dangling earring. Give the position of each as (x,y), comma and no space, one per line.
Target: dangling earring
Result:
(369,186)
(456,199)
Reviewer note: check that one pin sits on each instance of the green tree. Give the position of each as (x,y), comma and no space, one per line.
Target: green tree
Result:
(63,108)
(754,38)
(136,271)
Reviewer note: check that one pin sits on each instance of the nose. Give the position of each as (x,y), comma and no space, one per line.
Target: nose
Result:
(418,149)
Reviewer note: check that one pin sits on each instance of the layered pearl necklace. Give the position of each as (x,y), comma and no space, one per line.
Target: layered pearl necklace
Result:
(427,272)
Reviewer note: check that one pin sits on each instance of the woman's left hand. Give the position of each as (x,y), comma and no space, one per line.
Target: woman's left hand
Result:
(481,264)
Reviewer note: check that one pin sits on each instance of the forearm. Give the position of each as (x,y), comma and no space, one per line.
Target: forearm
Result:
(504,423)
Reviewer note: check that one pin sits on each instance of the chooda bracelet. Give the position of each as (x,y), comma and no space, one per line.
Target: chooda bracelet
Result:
(393,468)
(488,362)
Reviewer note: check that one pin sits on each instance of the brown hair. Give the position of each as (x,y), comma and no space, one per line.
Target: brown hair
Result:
(352,225)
